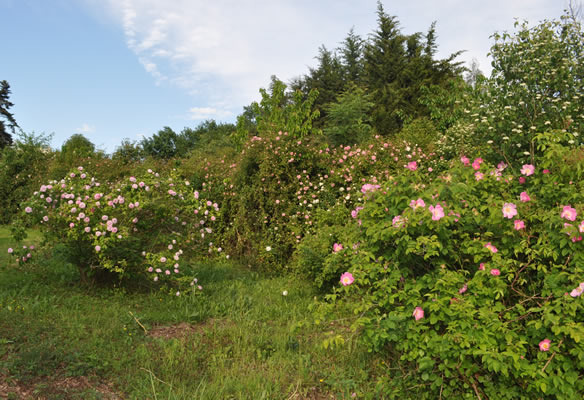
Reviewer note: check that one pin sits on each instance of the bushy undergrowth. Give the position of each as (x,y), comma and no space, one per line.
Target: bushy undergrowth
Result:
(270,193)
(471,282)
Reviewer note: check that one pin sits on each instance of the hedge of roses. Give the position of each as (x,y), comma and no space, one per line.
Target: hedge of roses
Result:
(273,190)
(470,283)
(141,225)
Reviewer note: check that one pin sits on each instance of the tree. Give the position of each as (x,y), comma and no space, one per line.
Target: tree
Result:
(348,120)
(23,167)
(474,74)
(161,145)
(77,146)
(352,57)
(128,152)
(281,110)
(397,68)
(328,78)
(9,121)
(384,60)
(536,86)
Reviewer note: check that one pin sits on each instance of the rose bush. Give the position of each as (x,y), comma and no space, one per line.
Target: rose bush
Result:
(138,226)
(471,283)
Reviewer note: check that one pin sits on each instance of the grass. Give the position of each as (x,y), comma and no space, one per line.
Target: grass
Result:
(238,338)
(7,242)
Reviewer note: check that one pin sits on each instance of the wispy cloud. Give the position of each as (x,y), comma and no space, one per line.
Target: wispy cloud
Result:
(86,128)
(202,113)
(224,51)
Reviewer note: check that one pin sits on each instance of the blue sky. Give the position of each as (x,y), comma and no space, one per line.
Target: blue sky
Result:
(115,69)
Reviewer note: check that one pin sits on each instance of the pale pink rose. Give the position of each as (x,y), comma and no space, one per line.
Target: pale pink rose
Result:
(544,345)
(412,166)
(347,279)
(491,247)
(527,169)
(437,212)
(509,210)
(569,213)
(417,203)
(418,313)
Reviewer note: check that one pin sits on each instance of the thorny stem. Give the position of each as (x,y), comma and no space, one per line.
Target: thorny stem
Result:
(552,357)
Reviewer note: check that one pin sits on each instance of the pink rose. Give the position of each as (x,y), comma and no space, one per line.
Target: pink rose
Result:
(418,313)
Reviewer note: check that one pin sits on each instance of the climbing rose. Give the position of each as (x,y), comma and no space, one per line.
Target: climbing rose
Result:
(368,187)
(524,197)
(576,292)
(518,224)
(337,247)
(544,345)
(412,166)
(417,203)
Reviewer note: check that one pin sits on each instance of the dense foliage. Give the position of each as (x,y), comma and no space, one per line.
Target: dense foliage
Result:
(446,215)
(467,279)
(134,227)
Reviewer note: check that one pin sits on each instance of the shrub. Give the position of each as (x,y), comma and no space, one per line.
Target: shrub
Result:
(23,167)
(311,258)
(536,86)
(421,133)
(139,226)
(471,282)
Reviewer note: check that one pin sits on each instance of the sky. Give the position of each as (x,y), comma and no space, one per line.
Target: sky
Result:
(124,69)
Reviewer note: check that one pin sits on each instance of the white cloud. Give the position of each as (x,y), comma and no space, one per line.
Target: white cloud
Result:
(225,50)
(202,113)
(86,128)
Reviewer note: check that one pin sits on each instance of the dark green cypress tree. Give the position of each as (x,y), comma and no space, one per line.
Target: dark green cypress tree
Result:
(10,122)
(385,59)
(352,58)
(397,67)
